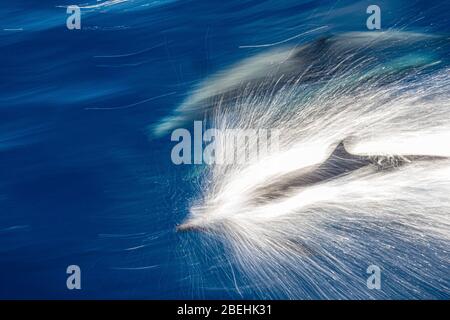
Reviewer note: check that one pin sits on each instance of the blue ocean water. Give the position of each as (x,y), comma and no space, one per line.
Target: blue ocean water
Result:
(82,179)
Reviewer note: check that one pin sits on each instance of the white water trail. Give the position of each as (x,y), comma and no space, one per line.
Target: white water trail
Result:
(311,240)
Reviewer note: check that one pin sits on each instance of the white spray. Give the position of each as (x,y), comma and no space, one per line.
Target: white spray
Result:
(293,238)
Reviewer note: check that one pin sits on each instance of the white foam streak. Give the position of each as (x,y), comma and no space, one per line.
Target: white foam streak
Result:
(319,232)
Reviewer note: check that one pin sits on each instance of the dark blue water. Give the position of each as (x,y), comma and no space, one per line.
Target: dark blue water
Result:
(82,180)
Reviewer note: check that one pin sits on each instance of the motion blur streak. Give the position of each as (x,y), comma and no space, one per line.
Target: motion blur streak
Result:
(307,214)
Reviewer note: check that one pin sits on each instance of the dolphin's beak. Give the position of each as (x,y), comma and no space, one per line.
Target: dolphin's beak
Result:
(194,222)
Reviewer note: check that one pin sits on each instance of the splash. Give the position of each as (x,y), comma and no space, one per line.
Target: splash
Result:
(361,175)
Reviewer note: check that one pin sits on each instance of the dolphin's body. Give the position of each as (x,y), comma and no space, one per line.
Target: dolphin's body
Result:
(338,164)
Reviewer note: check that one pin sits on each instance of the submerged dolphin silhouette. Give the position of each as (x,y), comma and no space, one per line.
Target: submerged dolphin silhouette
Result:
(385,55)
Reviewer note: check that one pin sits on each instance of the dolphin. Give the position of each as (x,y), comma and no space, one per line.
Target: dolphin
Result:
(386,56)
(338,164)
